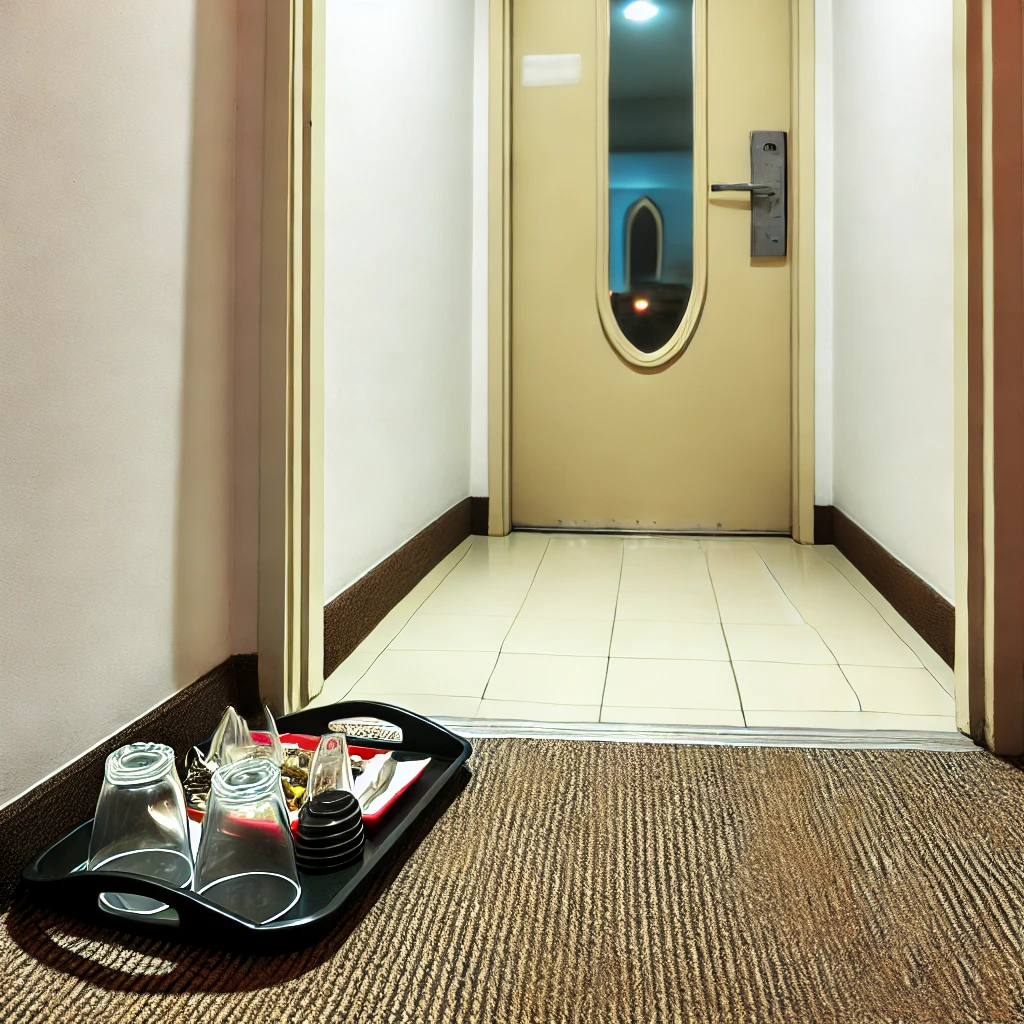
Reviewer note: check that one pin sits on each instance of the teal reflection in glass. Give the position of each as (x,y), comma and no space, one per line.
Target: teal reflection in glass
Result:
(650,168)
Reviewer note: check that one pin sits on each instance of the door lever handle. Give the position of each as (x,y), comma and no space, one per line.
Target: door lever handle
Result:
(759,189)
(767,189)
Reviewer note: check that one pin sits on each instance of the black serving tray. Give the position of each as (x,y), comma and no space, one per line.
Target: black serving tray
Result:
(56,877)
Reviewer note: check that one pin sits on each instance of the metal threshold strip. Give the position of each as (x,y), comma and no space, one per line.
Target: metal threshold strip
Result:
(644,531)
(705,735)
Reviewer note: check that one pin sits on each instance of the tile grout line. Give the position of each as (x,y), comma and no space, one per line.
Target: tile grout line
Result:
(533,579)
(778,583)
(888,625)
(387,646)
(870,603)
(546,703)
(878,612)
(657,657)
(838,568)
(465,554)
(725,638)
(611,635)
(860,704)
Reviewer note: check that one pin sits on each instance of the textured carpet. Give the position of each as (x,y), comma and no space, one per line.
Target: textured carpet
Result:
(579,882)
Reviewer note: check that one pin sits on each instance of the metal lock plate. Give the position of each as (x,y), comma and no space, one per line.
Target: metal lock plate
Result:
(767,188)
(768,221)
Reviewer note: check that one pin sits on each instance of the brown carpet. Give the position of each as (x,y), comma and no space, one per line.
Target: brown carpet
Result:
(579,882)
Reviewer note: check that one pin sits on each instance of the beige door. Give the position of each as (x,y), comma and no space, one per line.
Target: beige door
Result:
(701,442)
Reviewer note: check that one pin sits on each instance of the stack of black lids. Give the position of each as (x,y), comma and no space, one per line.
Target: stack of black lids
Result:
(330,835)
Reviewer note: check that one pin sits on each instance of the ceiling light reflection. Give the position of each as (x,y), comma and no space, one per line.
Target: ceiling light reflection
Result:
(640,10)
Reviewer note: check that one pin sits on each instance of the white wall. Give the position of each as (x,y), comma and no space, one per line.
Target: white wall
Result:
(398,247)
(116,193)
(893,278)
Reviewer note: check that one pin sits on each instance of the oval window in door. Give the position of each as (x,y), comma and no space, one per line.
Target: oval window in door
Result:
(652,181)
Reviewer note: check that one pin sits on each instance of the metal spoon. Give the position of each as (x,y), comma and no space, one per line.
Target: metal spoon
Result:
(380,783)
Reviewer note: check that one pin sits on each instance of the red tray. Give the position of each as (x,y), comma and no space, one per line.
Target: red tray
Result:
(294,739)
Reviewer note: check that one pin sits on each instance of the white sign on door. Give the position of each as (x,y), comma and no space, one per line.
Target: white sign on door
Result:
(551,69)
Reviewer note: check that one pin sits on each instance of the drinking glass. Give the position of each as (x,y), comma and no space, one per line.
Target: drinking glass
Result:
(140,825)
(232,741)
(246,859)
(331,767)
(272,750)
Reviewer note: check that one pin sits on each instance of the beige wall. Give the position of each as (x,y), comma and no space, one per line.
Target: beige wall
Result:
(116,320)
(250,56)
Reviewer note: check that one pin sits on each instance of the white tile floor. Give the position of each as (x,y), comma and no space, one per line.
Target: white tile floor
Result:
(651,630)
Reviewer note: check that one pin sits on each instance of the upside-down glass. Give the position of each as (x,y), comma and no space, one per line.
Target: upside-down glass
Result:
(140,825)
(330,767)
(246,860)
(232,740)
(272,749)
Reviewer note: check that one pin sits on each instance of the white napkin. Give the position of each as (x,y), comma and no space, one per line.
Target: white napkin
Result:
(405,772)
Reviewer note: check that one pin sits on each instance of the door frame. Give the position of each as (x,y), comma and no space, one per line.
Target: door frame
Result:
(290,617)
(499,269)
(989,371)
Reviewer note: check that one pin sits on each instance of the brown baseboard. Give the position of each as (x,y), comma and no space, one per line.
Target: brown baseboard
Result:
(65,800)
(925,609)
(824,532)
(480,509)
(350,617)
